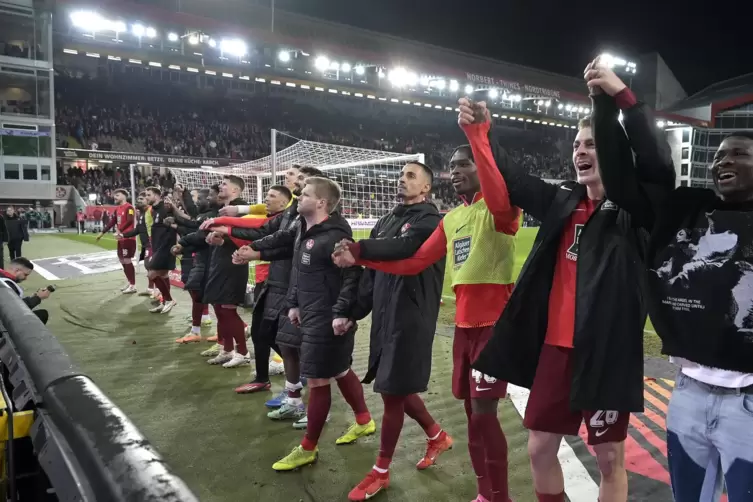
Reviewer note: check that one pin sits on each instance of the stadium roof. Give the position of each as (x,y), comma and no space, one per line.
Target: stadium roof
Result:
(320,36)
(721,95)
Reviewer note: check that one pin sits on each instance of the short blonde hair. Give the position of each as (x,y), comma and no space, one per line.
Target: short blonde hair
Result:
(326,189)
(584,123)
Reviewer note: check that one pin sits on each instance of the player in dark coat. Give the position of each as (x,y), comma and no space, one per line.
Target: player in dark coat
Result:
(164,238)
(322,299)
(404,319)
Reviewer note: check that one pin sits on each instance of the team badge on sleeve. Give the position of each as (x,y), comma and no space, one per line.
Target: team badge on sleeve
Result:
(404,228)
(309,243)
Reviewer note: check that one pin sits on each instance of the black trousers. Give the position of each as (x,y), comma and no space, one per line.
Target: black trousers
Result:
(263,334)
(42,314)
(14,249)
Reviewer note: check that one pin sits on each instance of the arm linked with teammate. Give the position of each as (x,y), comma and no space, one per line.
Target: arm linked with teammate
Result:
(431,251)
(401,247)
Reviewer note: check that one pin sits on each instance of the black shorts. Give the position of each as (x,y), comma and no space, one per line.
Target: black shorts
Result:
(162,260)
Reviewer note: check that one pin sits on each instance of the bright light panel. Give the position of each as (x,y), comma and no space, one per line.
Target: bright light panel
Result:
(493,93)
(360,70)
(173,37)
(233,46)
(334,66)
(454,85)
(321,63)
(151,32)
(345,67)
(469,89)
(138,30)
(284,56)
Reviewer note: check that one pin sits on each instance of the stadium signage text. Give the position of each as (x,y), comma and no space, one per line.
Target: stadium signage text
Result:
(513,86)
(141,157)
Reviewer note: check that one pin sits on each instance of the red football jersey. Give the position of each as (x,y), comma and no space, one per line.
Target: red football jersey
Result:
(125,218)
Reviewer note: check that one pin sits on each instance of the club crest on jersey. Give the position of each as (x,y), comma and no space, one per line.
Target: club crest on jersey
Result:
(309,243)
(405,228)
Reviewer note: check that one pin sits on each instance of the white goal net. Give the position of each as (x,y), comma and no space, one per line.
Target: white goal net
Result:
(368,178)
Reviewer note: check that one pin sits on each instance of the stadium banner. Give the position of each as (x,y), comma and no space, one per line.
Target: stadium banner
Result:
(362,223)
(147,158)
(513,86)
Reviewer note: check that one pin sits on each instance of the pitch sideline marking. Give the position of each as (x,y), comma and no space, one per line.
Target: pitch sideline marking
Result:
(44,272)
(579,485)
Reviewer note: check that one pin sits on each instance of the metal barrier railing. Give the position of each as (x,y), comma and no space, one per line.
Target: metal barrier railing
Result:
(87,447)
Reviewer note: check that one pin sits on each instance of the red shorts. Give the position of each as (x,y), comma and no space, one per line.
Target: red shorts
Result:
(548,408)
(126,248)
(467,382)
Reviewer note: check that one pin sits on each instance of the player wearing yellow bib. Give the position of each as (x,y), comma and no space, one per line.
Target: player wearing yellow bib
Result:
(478,239)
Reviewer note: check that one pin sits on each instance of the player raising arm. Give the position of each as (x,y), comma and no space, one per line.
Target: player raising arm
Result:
(124,222)
(572,331)
(478,239)
(700,278)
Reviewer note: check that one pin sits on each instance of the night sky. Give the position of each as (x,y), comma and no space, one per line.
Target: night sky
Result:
(700,45)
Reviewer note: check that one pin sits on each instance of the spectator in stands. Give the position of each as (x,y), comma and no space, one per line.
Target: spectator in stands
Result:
(17,231)
(18,271)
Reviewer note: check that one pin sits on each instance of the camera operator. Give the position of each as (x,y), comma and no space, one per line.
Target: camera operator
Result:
(18,271)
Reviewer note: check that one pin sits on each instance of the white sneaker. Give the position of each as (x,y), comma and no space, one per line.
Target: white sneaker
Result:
(124,288)
(157,309)
(238,360)
(222,357)
(168,306)
(131,289)
(276,368)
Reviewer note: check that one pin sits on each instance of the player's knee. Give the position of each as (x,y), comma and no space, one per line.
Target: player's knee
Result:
(318,382)
(610,458)
(342,374)
(543,448)
(125,261)
(486,406)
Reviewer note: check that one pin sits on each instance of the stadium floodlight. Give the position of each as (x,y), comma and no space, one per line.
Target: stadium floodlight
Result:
(586,110)
(517,98)
(568,108)
(493,93)
(560,106)
(539,102)
(660,123)
(212,42)
(345,67)
(548,103)
(119,26)
(151,32)
(398,77)
(454,85)
(173,37)
(321,63)
(334,66)
(381,73)
(284,56)
(411,79)
(87,20)
(580,109)
(425,81)
(440,84)
(469,89)
(193,39)
(138,30)
(360,70)
(618,63)
(233,46)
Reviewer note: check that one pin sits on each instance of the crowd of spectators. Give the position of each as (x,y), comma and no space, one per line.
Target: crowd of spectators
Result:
(104,181)
(169,118)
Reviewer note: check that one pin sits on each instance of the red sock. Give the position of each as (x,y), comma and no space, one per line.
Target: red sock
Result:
(231,325)
(294,393)
(416,409)
(478,455)
(392,425)
(197,309)
(163,284)
(545,497)
(495,449)
(206,310)
(130,273)
(320,400)
(352,391)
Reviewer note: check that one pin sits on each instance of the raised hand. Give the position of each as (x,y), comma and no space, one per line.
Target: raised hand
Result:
(600,77)
(341,325)
(472,112)
(295,317)
(222,230)
(229,211)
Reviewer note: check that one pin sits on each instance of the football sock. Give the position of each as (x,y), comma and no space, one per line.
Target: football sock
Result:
(478,455)
(320,400)
(495,449)
(392,425)
(130,273)
(352,391)
(416,409)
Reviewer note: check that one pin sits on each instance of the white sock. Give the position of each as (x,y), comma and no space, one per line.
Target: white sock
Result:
(293,386)
(380,470)
(437,436)
(195,330)
(295,401)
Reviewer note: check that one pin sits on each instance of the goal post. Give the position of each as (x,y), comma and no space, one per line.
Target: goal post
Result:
(368,178)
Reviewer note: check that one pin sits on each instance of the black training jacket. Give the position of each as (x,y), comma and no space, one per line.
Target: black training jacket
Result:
(196,243)
(225,282)
(275,288)
(164,237)
(321,290)
(610,313)
(140,229)
(404,307)
(700,254)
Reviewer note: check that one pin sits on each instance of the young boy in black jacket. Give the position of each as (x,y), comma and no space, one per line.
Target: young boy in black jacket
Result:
(321,298)
(700,287)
